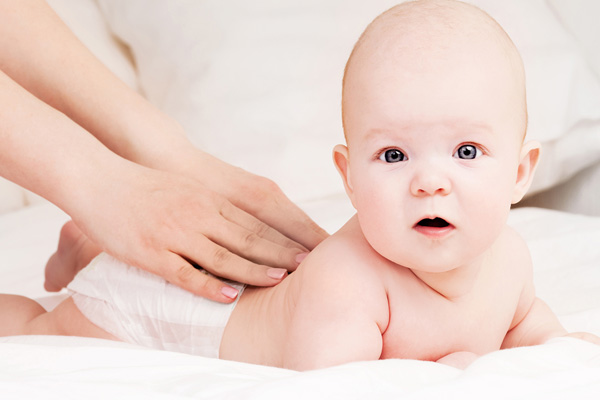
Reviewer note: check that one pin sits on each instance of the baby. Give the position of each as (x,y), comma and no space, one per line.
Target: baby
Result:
(434,114)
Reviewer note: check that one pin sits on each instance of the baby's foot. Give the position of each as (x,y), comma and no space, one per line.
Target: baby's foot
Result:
(74,252)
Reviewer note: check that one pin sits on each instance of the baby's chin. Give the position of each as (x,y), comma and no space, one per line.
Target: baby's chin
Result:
(425,263)
(433,268)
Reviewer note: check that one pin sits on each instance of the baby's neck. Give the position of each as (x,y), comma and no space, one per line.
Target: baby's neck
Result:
(453,284)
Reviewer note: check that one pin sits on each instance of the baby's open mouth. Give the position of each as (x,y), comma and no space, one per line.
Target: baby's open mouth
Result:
(433,223)
(434,228)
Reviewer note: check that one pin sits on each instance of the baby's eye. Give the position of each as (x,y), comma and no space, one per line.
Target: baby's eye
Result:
(392,156)
(467,152)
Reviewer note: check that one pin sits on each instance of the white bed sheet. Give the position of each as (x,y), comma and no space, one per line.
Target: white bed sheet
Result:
(561,369)
(566,252)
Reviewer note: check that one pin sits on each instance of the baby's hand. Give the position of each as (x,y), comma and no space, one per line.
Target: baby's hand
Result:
(460,359)
(589,337)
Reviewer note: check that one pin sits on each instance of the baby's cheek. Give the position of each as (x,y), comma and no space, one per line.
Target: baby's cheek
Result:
(372,199)
(491,222)
(380,229)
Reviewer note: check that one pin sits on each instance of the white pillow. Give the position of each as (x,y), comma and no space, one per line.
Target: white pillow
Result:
(257,83)
(580,17)
(563,89)
(580,194)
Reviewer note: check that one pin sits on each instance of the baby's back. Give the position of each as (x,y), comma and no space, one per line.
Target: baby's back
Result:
(256,330)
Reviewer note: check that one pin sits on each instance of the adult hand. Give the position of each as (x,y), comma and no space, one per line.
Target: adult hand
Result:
(164,223)
(256,195)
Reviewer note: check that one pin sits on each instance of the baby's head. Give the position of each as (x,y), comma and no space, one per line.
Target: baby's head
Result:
(434,115)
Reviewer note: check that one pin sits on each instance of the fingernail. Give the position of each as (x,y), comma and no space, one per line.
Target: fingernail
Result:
(300,257)
(276,273)
(229,292)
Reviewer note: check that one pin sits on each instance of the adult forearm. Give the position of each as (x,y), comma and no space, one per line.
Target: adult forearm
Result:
(230,222)
(39,52)
(44,151)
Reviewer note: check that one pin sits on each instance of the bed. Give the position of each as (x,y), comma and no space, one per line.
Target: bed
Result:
(257,84)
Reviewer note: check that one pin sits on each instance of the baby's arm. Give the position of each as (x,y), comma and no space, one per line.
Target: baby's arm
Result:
(539,325)
(336,315)
(534,322)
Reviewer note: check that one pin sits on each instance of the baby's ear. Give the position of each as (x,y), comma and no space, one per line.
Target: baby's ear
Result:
(530,155)
(340,159)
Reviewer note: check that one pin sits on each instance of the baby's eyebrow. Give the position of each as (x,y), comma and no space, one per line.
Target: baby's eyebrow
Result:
(473,127)
(378,132)
(452,126)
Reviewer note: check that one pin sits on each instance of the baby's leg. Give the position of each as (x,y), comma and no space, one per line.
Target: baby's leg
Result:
(16,312)
(74,252)
(22,316)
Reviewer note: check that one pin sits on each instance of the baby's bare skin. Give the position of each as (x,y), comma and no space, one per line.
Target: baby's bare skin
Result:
(74,252)
(399,315)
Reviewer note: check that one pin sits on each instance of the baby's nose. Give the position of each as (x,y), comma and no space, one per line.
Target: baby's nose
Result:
(430,183)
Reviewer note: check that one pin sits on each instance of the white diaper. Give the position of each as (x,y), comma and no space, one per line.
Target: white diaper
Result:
(139,307)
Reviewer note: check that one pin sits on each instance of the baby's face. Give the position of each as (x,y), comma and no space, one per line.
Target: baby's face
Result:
(433,154)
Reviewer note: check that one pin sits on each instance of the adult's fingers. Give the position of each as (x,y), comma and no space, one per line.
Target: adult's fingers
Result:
(253,224)
(263,199)
(251,246)
(250,238)
(221,262)
(299,226)
(180,272)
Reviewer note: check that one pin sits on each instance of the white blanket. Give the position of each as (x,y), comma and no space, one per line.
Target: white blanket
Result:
(54,367)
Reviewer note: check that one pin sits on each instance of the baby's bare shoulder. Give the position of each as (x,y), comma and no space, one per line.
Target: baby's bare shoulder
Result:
(346,252)
(339,305)
(517,266)
(344,268)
